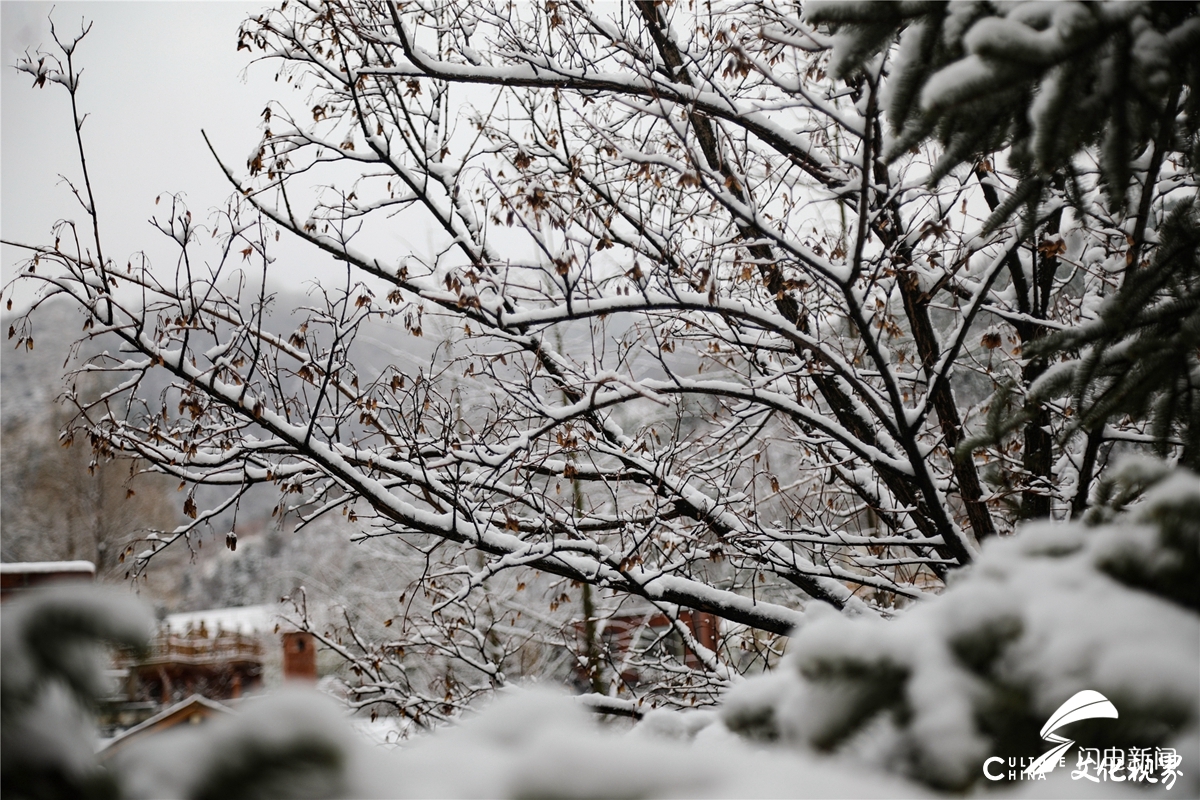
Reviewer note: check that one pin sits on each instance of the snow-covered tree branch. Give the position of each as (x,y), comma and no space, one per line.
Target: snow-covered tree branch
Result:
(707,326)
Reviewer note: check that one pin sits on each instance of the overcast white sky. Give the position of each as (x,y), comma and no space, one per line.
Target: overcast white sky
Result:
(154,74)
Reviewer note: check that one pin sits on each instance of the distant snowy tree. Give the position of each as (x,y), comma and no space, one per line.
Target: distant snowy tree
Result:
(697,332)
(62,502)
(59,499)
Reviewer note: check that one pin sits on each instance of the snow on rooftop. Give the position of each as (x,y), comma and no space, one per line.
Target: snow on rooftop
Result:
(44,567)
(242,619)
(166,713)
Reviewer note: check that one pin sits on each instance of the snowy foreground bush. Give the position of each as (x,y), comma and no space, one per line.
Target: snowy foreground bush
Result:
(911,706)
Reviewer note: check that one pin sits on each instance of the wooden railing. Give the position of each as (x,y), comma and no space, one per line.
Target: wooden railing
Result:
(195,648)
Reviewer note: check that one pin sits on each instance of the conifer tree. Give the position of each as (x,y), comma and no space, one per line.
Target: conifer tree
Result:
(1054,86)
(977,672)
(1140,356)
(51,676)
(1046,80)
